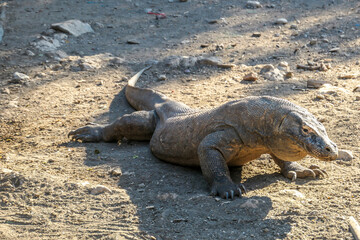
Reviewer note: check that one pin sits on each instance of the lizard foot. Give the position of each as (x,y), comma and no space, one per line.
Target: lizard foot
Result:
(227,190)
(87,134)
(294,170)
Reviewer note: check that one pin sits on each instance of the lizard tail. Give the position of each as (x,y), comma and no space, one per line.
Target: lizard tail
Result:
(142,98)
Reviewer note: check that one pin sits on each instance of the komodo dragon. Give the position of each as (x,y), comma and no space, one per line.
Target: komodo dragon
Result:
(229,135)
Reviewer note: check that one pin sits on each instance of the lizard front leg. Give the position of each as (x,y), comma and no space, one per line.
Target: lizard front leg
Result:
(293,170)
(138,125)
(214,151)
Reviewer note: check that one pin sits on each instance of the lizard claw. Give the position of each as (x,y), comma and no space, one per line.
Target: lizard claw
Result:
(87,134)
(227,191)
(294,170)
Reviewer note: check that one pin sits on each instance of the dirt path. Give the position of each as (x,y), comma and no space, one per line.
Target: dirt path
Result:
(46,180)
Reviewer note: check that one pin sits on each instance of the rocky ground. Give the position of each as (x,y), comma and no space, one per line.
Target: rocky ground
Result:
(203,53)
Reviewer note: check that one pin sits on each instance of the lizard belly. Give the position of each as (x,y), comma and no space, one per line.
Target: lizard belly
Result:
(247,154)
(178,141)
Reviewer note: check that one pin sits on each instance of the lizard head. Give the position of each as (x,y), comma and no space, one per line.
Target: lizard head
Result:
(301,134)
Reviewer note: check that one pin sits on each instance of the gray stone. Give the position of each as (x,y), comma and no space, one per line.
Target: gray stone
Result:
(345,155)
(21,76)
(47,44)
(74,27)
(275,75)
(267,68)
(281,21)
(253,4)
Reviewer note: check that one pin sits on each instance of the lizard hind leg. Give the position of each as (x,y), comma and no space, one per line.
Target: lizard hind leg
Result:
(138,125)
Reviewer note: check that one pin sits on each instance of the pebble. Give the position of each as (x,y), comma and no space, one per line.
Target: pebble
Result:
(267,68)
(294,26)
(132,41)
(334,49)
(100,189)
(204,45)
(315,83)
(74,27)
(21,76)
(289,74)
(281,21)
(30,53)
(115,172)
(357,88)
(253,4)
(162,77)
(251,77)
(330,89)
(275,75)
(347,76)
(313,41)
(345,155)
(256,34)
(5,91)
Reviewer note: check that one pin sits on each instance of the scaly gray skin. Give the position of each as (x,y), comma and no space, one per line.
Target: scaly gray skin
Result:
(229,135)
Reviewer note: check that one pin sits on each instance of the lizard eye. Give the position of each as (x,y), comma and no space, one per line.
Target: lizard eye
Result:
(305,130)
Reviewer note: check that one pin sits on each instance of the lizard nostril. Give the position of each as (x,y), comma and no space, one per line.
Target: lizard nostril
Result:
(328,149)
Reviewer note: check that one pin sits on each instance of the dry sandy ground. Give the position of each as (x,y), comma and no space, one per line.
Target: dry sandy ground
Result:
(48,193)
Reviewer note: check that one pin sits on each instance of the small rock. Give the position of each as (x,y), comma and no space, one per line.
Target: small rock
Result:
(250,77)
(289,74)
(214,61)
(345,155)
(347,76)
(256,34)
(267,68)
(293,193)
(47,44)
(100,189)
(275,75)
(293,26)
(220,47)
(116,61)
(204,45)
(283,66)
(141,185)
(313,41)
(357,89)
(5,91)
(212,21)
(74,27)
(20,76)
(132,41)
(188,62)
(253,4)
(30,53)
(330,89)
(162,77)
(315,83)
(281,21)
(250,203)
(183,0)
(115,172)
(98,25)
(334,49)
(49,32)
(61,37)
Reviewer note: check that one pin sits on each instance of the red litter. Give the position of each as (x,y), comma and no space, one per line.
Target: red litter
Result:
(161,15)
